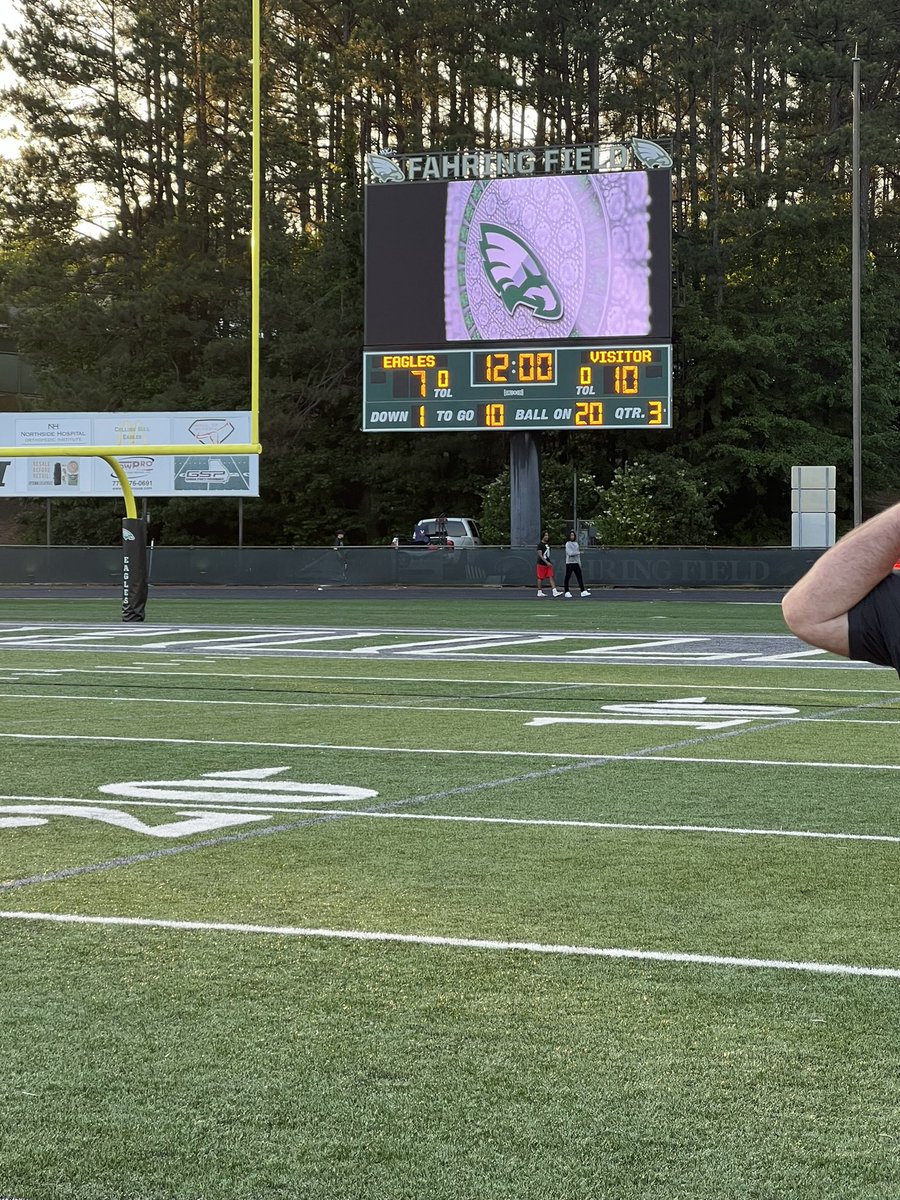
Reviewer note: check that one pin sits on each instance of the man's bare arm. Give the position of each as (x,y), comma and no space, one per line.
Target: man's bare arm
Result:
(816,607)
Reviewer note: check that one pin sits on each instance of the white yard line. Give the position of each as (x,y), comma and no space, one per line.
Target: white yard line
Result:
(531,639)
(278,643)
(250,641)
(462,681)
(411,707)
(786,657)
(54,640)
(458,943)
(426,677)
(689,658)
(342,747)
(419,631)
(471,641)
(188,808)
(101,737)
(573,715)
(645,644)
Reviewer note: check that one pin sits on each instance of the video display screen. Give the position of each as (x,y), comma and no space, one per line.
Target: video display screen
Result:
(551,258)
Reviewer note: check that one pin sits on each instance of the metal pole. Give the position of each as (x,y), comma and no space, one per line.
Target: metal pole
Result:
(240,521)
(255,223)
(48,520)
(855,269)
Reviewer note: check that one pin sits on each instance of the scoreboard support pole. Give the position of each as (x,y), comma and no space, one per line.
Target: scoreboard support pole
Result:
(524,489)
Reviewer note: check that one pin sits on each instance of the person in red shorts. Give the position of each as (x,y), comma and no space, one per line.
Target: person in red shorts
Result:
(545,566)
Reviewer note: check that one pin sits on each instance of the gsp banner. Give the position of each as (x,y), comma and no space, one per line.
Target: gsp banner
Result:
(212,471)
(134,568)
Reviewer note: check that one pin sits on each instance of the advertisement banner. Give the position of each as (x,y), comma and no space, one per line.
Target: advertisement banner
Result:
(211,472)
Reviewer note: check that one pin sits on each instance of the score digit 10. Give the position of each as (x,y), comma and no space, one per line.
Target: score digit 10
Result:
(620,380)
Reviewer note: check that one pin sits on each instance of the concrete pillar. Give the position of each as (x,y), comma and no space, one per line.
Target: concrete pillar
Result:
(524,489)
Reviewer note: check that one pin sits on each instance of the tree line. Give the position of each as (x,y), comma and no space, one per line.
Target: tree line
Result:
(125,220)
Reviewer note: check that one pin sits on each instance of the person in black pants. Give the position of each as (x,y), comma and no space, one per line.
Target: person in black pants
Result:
(573,566)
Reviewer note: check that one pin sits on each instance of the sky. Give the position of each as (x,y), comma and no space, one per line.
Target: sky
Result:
(96,217)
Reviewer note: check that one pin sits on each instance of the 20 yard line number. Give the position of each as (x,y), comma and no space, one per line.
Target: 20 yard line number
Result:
(207,797)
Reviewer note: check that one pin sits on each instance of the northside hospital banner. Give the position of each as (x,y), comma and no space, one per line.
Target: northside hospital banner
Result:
(212,471)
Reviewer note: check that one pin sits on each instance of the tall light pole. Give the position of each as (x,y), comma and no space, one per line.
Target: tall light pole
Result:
(255,214)
(855,271)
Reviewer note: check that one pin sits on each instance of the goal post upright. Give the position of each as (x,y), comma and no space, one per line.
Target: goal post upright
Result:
(253,446)
(125,483)
(112,454)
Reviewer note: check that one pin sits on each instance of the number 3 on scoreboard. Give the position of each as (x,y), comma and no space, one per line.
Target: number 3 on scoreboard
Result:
(656,414)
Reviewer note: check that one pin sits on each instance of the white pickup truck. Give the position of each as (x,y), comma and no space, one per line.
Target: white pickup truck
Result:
(452,533)
(461,531)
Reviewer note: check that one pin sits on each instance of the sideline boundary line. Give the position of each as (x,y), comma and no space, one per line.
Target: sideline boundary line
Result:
(359,935)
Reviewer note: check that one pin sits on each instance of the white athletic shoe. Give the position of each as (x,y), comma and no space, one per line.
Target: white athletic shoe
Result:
(583,594)
(568,595)
(557,591)
(541,595)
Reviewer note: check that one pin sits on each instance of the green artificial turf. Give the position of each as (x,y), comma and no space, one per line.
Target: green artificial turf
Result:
(151,1063)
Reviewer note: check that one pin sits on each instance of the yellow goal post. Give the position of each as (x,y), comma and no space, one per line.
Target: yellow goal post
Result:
(111,454)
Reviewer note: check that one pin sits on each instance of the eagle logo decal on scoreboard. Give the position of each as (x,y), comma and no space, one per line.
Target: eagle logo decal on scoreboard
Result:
(516,275)
(384,169)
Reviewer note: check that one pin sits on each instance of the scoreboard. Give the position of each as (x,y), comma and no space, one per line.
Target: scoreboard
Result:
(606,386)
(523,302)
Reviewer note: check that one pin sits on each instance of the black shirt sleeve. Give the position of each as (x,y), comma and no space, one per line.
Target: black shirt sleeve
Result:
(874,625)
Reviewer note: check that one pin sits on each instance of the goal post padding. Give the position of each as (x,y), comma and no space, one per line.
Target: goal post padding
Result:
(134,568)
